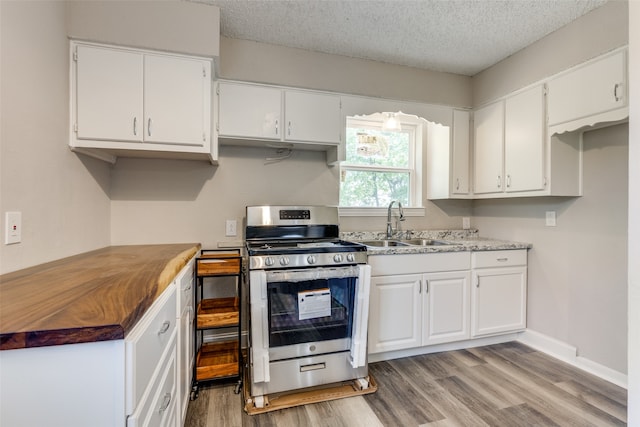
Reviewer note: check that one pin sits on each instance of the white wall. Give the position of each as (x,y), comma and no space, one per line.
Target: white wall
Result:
(578,269)
(633,409)
(265,63)
(597,32)
(64,198)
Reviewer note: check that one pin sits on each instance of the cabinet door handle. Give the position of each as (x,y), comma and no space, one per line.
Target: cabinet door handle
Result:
(276,127)
(149,126)
(166,400)
(457,183)
(165,327)
(135,126)
(615,92)
(289,128)
(419,286)
(499,181)
(426,286)
(508,181)
(502,259)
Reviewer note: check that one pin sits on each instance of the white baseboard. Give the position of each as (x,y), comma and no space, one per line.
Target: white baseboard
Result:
(569,354)
(458,345)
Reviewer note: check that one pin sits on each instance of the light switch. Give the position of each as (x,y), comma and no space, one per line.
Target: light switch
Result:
(231,227)
(466,223)
(550,218)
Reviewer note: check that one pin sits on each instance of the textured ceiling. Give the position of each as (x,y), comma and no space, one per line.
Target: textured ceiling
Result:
(457,36)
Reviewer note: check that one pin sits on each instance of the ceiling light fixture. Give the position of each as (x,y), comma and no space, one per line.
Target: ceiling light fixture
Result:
(391,123)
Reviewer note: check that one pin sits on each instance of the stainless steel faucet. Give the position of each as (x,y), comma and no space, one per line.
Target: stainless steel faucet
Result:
(400,217)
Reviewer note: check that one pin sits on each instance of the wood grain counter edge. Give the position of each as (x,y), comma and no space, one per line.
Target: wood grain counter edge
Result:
(95,296)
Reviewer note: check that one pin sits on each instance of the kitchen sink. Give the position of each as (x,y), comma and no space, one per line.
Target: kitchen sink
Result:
(384,243)
(428,242)
(409,242)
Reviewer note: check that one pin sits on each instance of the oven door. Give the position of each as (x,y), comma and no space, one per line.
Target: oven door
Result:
(300,313)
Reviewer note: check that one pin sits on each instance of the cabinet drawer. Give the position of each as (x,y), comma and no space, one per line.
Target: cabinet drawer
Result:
(146,344)
(388,265)
(498,258)
(158,406)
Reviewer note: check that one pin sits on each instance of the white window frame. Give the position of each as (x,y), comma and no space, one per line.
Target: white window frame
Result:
(415,128)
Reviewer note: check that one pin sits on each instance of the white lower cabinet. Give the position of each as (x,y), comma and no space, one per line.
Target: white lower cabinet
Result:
(499,292)
(419,300)
(414,310)
(394,313)
(130,382)
(445,307)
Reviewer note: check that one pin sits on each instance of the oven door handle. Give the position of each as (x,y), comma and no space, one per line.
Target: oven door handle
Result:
(358,350)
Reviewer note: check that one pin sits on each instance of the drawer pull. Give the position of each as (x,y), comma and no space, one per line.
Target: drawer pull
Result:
(165,403)
(314,367)
(502,259)
(165,327)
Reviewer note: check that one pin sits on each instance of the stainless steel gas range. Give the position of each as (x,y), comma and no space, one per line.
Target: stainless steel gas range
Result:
(309,300)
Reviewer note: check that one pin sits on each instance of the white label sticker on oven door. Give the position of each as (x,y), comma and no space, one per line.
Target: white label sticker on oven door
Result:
(314,304)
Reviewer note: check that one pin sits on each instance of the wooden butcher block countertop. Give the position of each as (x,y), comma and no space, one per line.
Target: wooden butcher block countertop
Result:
(95,296)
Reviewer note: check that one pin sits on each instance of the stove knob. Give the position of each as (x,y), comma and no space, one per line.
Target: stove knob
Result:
(351,257)
(311,259)
(268,261)
(284,260)
(337,258)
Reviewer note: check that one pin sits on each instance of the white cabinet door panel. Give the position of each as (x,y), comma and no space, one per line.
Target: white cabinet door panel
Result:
(312,117)
(594,88)
(249,111)
(394,319)
(524,141)
(175,100)
(499,300)
(109,94)
(445,307)
(460,152)
(489,146)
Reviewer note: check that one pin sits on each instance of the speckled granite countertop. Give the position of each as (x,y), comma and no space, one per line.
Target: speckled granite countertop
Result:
(461,240)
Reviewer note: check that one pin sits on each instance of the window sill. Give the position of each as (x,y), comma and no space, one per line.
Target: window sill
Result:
(346,211)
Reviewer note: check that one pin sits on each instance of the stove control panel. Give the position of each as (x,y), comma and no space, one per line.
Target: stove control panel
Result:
(263,262)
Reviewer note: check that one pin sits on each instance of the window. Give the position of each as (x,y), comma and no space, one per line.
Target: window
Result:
(381,165)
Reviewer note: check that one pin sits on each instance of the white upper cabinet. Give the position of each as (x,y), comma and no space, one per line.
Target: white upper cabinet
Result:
(488,128)
(461,134)
(583,93)
(448,157)
(109,94)
(510,141)
(177,95)
(524,134)
(249,111)
(312,117)
(252,114)
(119,96)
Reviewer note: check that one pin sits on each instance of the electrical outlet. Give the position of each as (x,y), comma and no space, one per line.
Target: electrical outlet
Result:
(466,223)
(13,228)
(231,227)
(550,218)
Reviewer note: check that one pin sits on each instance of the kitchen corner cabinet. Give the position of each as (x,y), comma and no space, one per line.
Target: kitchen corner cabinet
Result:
(590,93)
(251,114)
(138,102)
(217,359)
(498,292)
(448,159)
(429,306)
(510,144)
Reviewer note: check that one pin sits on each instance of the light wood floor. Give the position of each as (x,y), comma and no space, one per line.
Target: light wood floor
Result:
(500,385)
